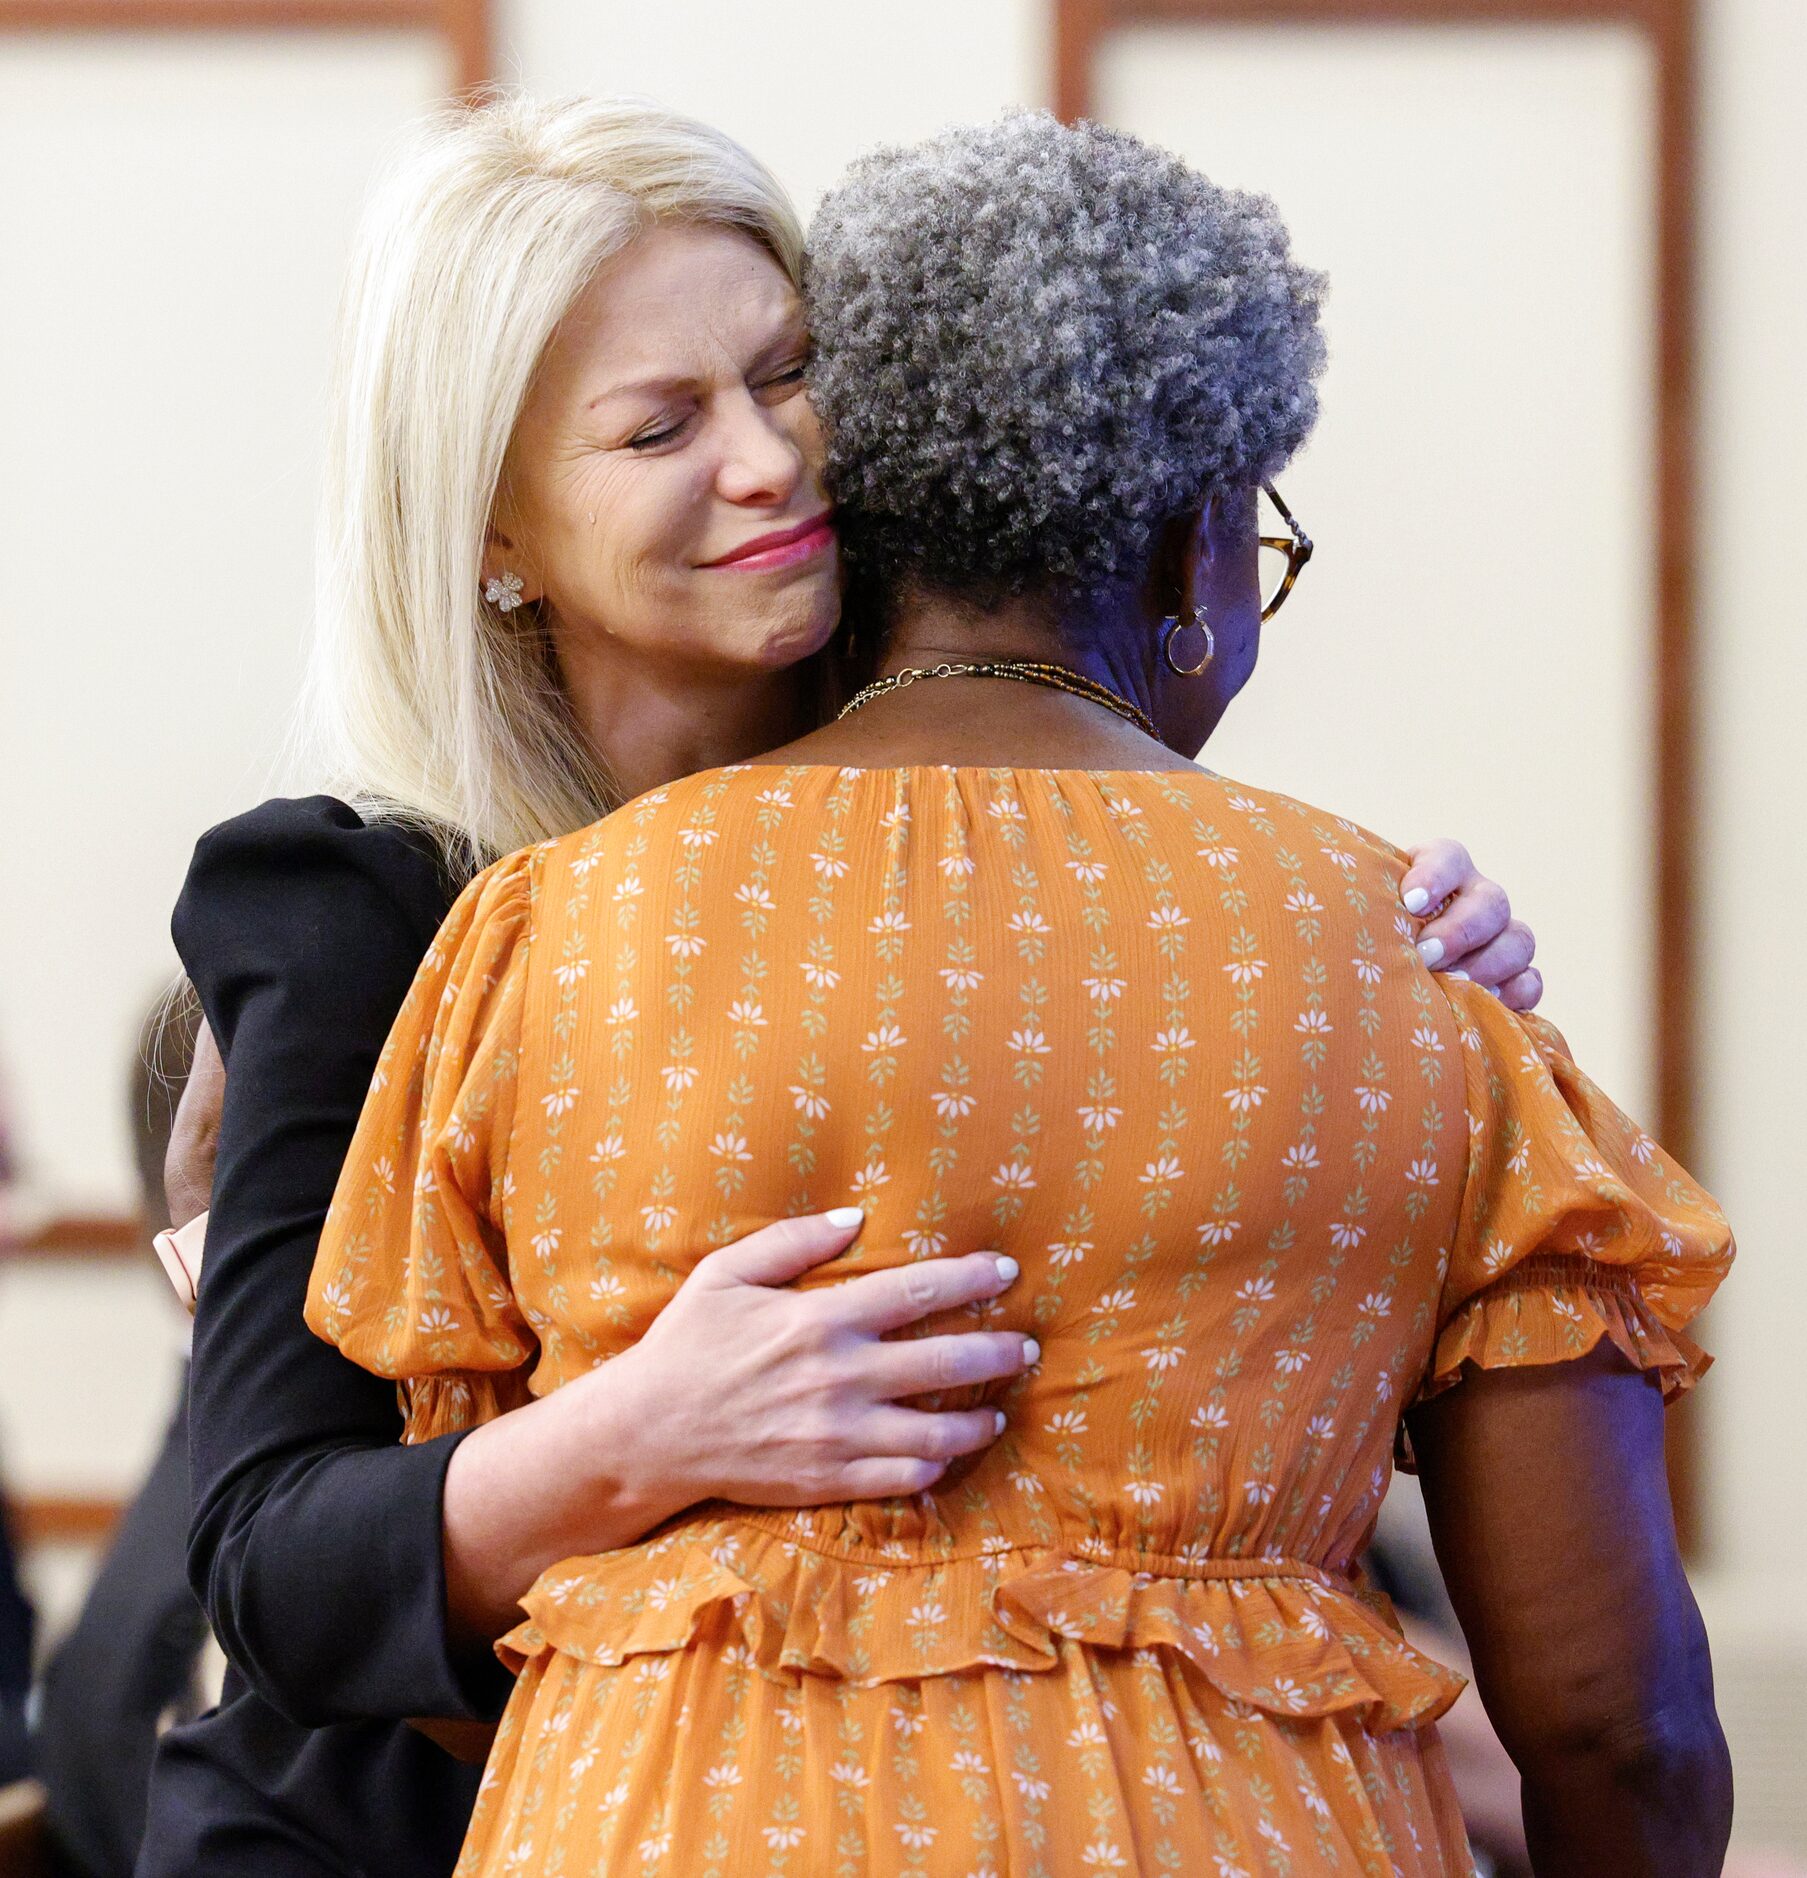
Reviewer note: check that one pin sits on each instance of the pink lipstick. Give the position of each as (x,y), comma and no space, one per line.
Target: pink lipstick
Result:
(784,547)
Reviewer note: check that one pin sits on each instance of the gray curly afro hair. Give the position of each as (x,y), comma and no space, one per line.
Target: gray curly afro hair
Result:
(1037,342)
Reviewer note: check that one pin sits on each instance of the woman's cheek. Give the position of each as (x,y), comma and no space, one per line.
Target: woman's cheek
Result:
(806,434)
(638,542)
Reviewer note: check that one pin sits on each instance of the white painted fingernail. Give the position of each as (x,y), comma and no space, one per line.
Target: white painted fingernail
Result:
(1417,900)
(999,1413)
(1032,1351)
(845,1216)
(1430,950)
(1461,975)
(1008,1269)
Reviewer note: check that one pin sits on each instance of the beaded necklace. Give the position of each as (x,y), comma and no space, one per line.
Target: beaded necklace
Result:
(1025,671)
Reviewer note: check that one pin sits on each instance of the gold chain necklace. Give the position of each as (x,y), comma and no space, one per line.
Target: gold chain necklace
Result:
(1026,671)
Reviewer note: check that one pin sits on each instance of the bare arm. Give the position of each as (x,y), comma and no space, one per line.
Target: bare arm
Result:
(1550,1511)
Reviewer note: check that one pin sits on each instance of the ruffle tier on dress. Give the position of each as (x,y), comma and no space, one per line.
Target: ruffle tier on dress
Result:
(1278,1635)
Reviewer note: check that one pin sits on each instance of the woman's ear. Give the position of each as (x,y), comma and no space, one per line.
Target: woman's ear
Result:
(1181,555)
(1226,568)
(1227,523)
(505,563)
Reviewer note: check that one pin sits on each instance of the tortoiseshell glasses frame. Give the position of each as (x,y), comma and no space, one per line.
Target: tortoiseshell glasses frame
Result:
(1296,546)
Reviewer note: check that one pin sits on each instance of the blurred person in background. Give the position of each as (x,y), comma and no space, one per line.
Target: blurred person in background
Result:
(17,1628)
(475,698)
(17,1622)
(128,1667)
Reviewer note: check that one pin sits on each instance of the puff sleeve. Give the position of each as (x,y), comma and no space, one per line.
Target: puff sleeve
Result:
(411,1279)
(1574,1225)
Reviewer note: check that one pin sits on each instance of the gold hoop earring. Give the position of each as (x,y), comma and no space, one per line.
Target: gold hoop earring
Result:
(1172,627)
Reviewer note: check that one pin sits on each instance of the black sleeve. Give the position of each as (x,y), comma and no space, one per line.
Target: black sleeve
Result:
(315,1545)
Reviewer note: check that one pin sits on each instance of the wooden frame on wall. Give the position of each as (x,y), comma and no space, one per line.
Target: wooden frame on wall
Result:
(464,24)
(1080,29)
(466,29)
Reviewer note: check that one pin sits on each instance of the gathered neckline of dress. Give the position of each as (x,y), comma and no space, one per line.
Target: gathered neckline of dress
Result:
(960,769)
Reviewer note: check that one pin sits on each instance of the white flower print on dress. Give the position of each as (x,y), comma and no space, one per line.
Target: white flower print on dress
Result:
(1235,1294)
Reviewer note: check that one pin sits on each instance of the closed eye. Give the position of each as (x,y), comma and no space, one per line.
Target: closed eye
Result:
(650,439)
(791,376)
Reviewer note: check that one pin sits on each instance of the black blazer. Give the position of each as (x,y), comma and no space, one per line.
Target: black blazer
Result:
(315,1545)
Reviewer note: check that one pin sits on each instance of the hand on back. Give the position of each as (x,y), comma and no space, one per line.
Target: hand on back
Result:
(771,1396)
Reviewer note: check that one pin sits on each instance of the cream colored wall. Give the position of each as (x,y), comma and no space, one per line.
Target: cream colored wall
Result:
(1753,856)
(153,584)
(806,83)
(173,217)
(1469,653)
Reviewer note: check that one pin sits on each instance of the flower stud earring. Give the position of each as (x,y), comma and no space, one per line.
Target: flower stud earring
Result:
(504,592)
(1172,627)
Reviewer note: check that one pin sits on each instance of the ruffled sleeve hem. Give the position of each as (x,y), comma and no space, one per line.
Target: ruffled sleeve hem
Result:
(1276,1636)
(1552,1308)
(1575,1227)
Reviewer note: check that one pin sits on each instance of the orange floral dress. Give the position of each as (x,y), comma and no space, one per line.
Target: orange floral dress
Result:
(1165,1040)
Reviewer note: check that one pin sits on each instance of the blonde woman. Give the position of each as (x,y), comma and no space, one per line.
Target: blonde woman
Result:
(573,549)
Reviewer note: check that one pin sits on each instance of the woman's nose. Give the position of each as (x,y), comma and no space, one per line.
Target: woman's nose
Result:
(761,462)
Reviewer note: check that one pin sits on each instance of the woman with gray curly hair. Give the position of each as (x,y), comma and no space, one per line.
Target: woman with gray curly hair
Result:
(1273,1196)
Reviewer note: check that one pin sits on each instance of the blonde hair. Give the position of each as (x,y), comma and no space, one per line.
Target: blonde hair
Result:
(423,703)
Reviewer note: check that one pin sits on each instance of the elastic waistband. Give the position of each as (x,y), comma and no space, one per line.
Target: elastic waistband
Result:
(1083,1552)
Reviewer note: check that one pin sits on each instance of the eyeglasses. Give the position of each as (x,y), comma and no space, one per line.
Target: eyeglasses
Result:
(1282,556)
